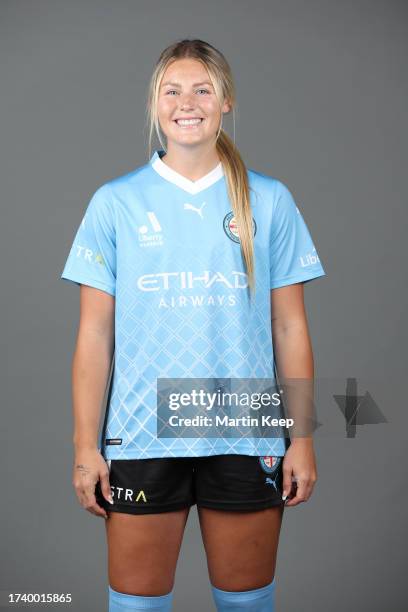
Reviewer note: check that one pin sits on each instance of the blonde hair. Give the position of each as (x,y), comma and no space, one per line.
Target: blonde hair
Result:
(234,168)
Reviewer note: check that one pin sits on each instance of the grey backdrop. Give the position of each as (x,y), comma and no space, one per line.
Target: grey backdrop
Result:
(322,96)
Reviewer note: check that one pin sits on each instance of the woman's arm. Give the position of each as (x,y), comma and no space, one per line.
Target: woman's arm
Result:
(90,370)
(294,360)
(91,363)
(292,345)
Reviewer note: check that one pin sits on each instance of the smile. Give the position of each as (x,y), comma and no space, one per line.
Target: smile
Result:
(189,122)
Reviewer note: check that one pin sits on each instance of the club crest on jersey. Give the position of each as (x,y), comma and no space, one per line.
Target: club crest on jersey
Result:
(231,228)
(269,463)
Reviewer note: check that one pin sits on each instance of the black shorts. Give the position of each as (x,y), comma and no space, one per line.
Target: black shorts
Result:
(222,482)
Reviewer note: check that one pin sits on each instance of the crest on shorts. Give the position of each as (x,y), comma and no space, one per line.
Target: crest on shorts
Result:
(269,463)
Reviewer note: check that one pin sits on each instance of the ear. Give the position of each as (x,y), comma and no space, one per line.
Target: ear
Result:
(226,107)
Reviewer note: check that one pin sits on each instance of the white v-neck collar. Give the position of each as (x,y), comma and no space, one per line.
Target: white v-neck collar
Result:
(181,181)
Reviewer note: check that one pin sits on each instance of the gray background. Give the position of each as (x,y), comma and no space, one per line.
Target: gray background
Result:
(322,96)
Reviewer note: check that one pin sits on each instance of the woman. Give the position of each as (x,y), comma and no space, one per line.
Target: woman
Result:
(173,289)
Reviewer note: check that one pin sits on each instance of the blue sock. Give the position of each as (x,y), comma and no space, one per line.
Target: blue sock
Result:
(257,600)
(122,602)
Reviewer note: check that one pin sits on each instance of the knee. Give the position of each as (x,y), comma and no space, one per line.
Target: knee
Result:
(124,602)
(240,579)
(146,587)
(140,579)
(255,600)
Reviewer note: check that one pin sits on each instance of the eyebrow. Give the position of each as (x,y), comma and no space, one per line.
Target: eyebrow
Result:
(178,84)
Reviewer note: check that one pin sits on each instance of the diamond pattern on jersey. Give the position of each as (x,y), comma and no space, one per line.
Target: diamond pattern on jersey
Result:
(210,341)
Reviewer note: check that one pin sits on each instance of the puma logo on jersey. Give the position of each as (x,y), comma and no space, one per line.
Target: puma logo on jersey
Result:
(188,206)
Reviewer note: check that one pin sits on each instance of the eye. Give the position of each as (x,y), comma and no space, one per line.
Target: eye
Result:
(170,91)
(206,90)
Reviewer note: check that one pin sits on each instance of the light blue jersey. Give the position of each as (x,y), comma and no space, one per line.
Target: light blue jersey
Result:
(168,249)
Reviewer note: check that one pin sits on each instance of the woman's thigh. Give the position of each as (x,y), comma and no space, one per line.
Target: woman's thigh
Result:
(143,550)
(241,547)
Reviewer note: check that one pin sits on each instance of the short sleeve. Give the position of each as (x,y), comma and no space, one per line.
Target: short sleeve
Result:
(293,255)
(92,258)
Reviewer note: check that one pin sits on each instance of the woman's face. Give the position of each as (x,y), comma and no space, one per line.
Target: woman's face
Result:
(186,93)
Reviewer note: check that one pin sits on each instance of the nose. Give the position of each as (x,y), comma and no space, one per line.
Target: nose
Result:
(186,101)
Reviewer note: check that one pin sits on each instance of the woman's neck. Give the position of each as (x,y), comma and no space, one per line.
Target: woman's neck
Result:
(193,163)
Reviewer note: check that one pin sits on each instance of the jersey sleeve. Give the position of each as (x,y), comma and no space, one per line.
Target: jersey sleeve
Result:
(293,255)
(92,258)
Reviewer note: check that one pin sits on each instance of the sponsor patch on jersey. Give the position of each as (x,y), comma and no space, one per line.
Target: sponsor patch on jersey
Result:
(231,228)
(269,463)
(150,235)
(113,441)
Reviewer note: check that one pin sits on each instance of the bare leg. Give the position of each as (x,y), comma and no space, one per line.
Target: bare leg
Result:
(143,551)
(241,547)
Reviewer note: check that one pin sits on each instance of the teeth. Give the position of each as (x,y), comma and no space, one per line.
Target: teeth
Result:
(188,121)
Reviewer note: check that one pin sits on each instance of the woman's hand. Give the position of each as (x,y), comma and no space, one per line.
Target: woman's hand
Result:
(299,471)
(89,468)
